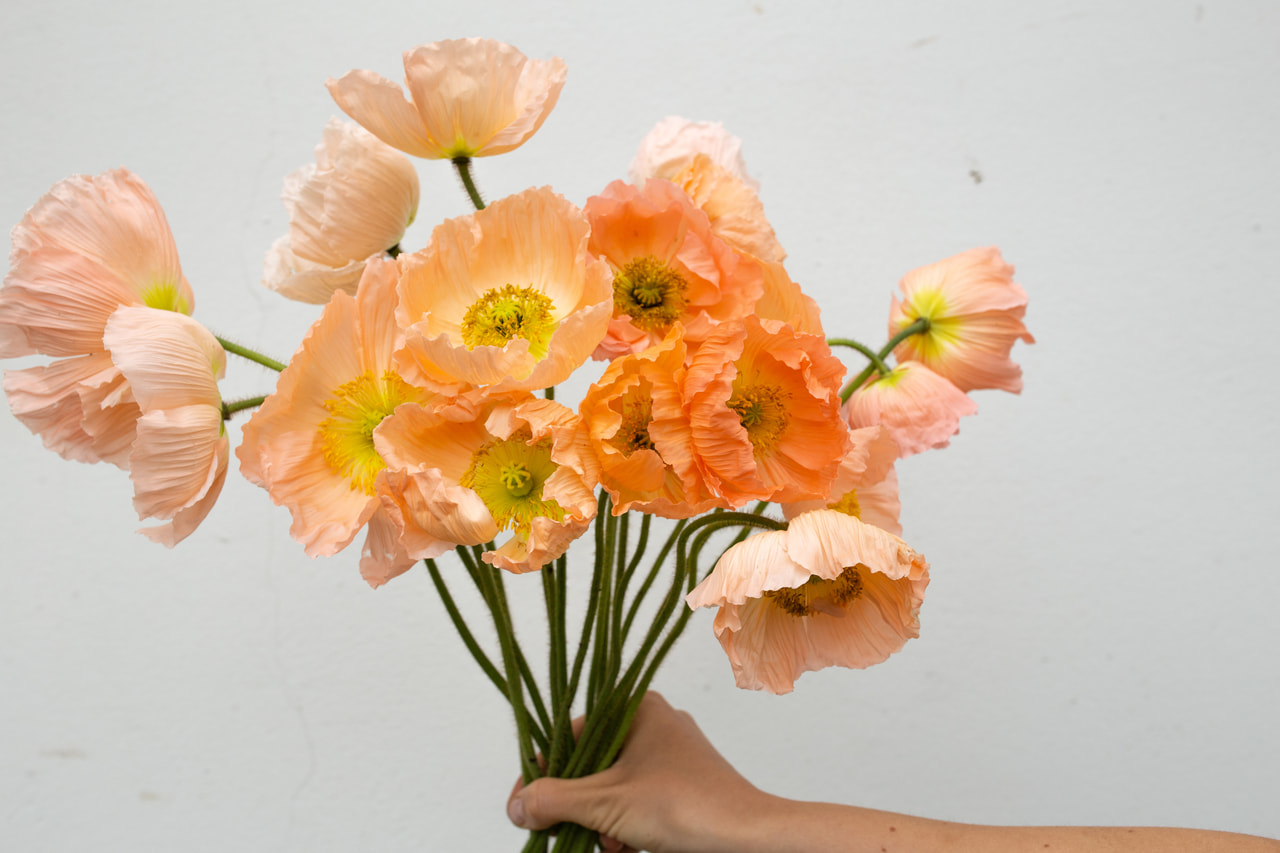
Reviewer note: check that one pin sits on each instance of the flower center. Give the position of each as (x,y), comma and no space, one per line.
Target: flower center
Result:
(762,409)
(650,293)
(819,595)
(944,332)
(848,504)
(510,312)
(636,409)
(355,409)
(508,475)
(166,296)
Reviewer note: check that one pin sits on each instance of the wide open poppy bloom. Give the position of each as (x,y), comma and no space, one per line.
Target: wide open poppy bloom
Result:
(178,461)
(353,203)
(484,465)
(827,591)
(667,267)
(468,98)
(974,309)
(919,408)
(507,297)
(311,443)
(88,247)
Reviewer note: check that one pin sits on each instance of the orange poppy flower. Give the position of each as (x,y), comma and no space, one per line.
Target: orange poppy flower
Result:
(866,486)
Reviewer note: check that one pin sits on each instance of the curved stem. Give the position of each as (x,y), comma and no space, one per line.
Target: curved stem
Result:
(252,355)
(463,165)
(919,327)
(876,361)
(229,409)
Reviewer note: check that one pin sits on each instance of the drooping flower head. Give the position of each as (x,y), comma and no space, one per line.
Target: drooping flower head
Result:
(508,297)
(667,266)
(827,591)
(975,311)
(764,405)
(178,460)
(486,465)
(640,431)
(311,443)
(675,141)
(468,98)
(353,203)
(919,408)
(88,247)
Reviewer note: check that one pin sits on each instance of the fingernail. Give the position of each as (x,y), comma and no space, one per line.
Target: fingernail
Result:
(515,811)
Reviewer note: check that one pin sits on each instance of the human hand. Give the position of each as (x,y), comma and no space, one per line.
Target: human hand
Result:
(668,790)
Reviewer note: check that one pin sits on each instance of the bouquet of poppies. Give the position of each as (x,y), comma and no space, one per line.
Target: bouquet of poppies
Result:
(421,407)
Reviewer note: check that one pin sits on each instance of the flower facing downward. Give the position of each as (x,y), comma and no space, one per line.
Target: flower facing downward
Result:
(827,591)
(919,408)
(352,204)
(975,311)
(178,461)
(469,98)
(88,247)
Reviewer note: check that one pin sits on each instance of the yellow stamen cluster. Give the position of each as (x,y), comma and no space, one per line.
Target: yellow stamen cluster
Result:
(507,312)
(819,595)
(848,504)
(355,409)
(508,475)
(762,409)
(650,293)
(637,413)
(167,296)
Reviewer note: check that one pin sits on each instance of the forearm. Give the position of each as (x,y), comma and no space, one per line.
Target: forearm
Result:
(777,825)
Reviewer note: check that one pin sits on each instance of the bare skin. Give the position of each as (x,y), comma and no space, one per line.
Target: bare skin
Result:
(671,792)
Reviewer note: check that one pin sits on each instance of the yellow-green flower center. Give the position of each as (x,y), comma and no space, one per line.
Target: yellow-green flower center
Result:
(508,475)
(355,410)
(165,295)
(650,293)
(636,409)
(944,332)
(507,312)
(762,410)
(819,595)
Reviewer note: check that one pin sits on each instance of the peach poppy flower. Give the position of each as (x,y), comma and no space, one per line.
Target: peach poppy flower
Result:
(485,465)
(764,409)
(975,311)
(667,267)
(468,98)
(178,461)
(638,426)
(311,443)
(508,297)
(353,203)
(675,141)
(88,247)
(783,300)
(919,408)
(827,591)
(866,486)
(733,207)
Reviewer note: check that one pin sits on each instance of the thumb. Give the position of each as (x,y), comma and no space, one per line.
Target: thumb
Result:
(547,801)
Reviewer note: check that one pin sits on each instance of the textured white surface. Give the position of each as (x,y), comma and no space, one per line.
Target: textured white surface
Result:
(1099,642)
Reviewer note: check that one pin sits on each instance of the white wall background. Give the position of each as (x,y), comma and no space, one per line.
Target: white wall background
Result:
(1099,644)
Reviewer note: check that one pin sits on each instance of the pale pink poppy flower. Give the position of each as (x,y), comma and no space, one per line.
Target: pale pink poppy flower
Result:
(178,461)
(764,411)
(675,141)
(866,486)
(353,203)
(88,247)
(667,267)
(311,444)
(486,465)
(827,591)
(975,311)
(468,98)
(919,408)
(508,297)
(636,418)
(734,209)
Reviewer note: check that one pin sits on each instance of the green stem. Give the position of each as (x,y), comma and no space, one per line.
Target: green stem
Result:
(919,327)
(229,409)
(502,623)
(468,639)
(463,165)
(652,576)
(245,352)
(876,361)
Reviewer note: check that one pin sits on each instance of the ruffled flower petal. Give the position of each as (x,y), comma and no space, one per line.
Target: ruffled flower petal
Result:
(919,408)
(675,141)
